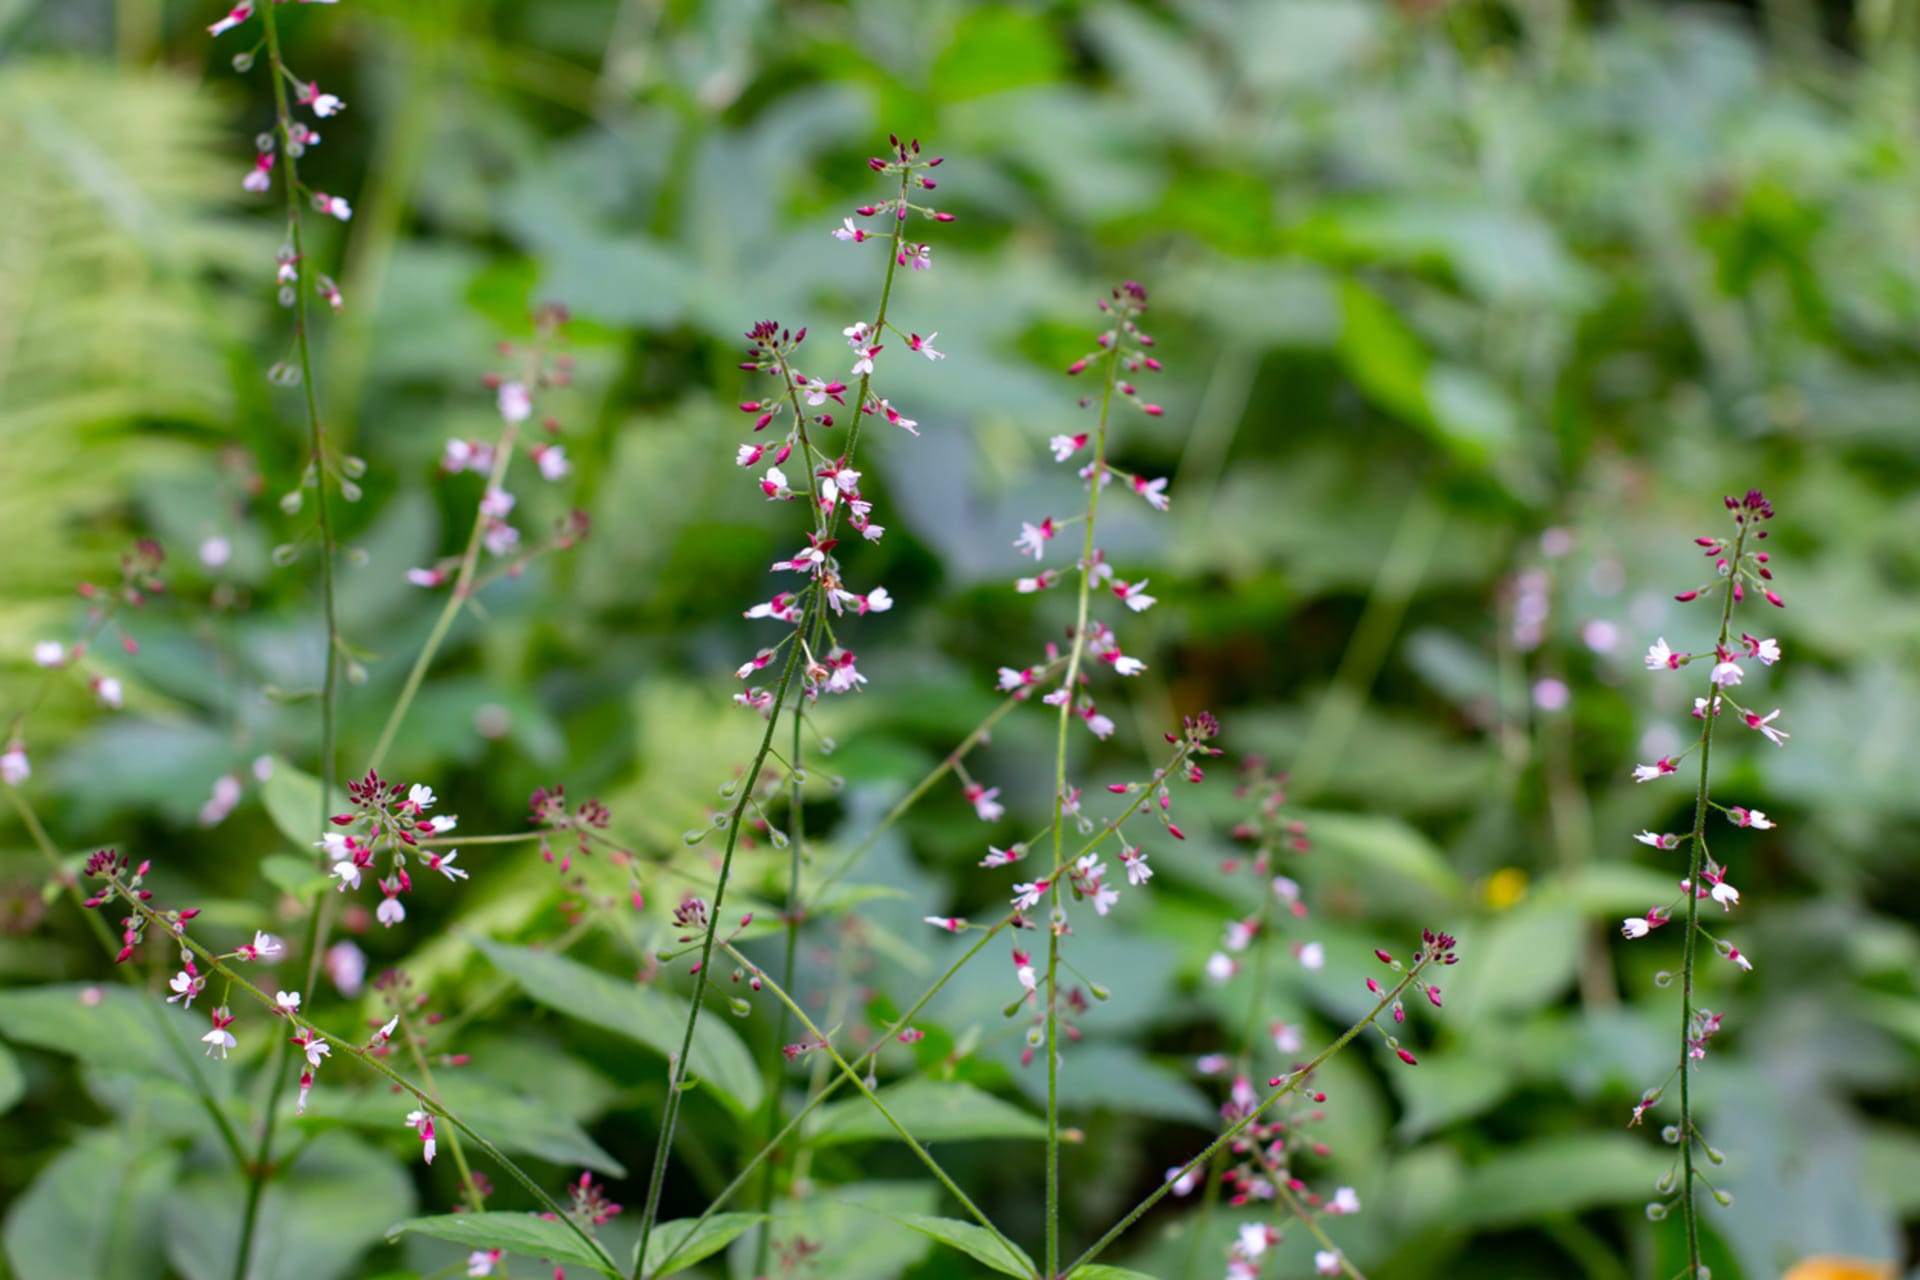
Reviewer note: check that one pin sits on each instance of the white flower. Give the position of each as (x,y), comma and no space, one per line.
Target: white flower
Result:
(318,1050)
(1635,927)
(108,692)
(286,1001)
(267,947)
(14,768)
(497,503)
(1313,956)
(1778,737)
(215,552)
(1027,896)
(328,104)
(1345,1200)
(1128,666)
(444,865)
(1726,895)
(426,577)
(1659,655)
(185,987)
(1221,966)
(848,232)
(421,796)
(390,912)
(1658,840)
(553,461)
(1726,673)
(1134,595)
(1768,651)
(348,873)
(481,1262)
(1327,1262)
(878,601)
(337,207)
(423,1122)
(218,1041)
(1183,1182)
(1253,1239)
(514,402)
(49,653)
(1135,861)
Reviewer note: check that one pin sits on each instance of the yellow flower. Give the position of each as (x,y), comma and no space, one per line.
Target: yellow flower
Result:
(1505,887)
(1840,1269)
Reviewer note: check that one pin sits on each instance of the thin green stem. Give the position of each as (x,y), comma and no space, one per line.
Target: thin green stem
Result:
(1233,1131)
(261,1169)
(462,589)
(848,1073)
(189,1069)
(676,1083)
(368,1060)
(474,1199)
(1074,657)
(1689,1212)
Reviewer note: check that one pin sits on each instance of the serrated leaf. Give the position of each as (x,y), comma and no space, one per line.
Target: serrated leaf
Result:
(527,1234)
(975,1241)
(931,1110)
(678,1245)
(645,1014)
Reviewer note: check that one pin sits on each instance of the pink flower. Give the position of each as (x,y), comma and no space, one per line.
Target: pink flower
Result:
(1659,768)
(1750,818)
(1135,861)
(1778,737)
(391,911)
(1065,447)
(1034,537)
(1312,956)
(952,924)
(333,206)
(1134,595)
(1183,1182)
(1326,1262)
(1345,1200)
(219,1040)
(552,460)
(185,986)
(422,1121)
(984,802)
(1659,655)
(443,863)
(925,345)
(235,16)
(1768,651)
(1154,491)
(1658,841)
(497,503)
(1726,673)
(259,178)
(14,768)
(1027,896)
(1725,894)
(1003,857)
(481,1262)
(426,577)
(848,232)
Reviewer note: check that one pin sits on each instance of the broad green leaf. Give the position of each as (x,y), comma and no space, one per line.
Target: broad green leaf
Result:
(1384,846)
(1519,961)
(13,1085)
(527,1234)
(642,1013)
(854,1225)
(677,1245)
(317,1219)
(975,1241)
(512,1121)
(1566,1174)
(1118,1077)
(95,1211)
(293,802)
(110,1026)
(296,877)
(931,1110)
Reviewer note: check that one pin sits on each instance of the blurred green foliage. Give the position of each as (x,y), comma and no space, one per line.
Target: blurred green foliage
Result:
(1463,305)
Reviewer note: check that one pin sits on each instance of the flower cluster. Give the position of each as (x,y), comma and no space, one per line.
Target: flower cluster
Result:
(514,396)
(389,820)
(802,412)
(139,582)
(1271,833)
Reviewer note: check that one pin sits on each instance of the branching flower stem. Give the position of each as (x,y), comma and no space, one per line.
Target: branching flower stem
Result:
(848,1073)
(190,1071)
(1291,1083)
(987,935)
(260,1168)
(1075,655)
(1689,1211)
(216,965)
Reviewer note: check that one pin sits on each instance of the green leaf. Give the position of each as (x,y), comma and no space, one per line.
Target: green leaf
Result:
(317,1218)
(678,1245)
(292,798)
(931,1110)
(1384,846)
(94,1211)
(13,1085)
(1521,961)
(296,877)
(111,1027)
(513,1122)
(1098,1272)
(974,1241)
(645,1014)
(1566,1174)
(527,1234)
(854,1225)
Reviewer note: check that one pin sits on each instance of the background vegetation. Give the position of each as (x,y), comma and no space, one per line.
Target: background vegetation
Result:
(1468,309)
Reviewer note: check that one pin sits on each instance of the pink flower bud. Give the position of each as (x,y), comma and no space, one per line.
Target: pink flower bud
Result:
(1685,596)
(1407,1058)
(1152,410)
(1773,598)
